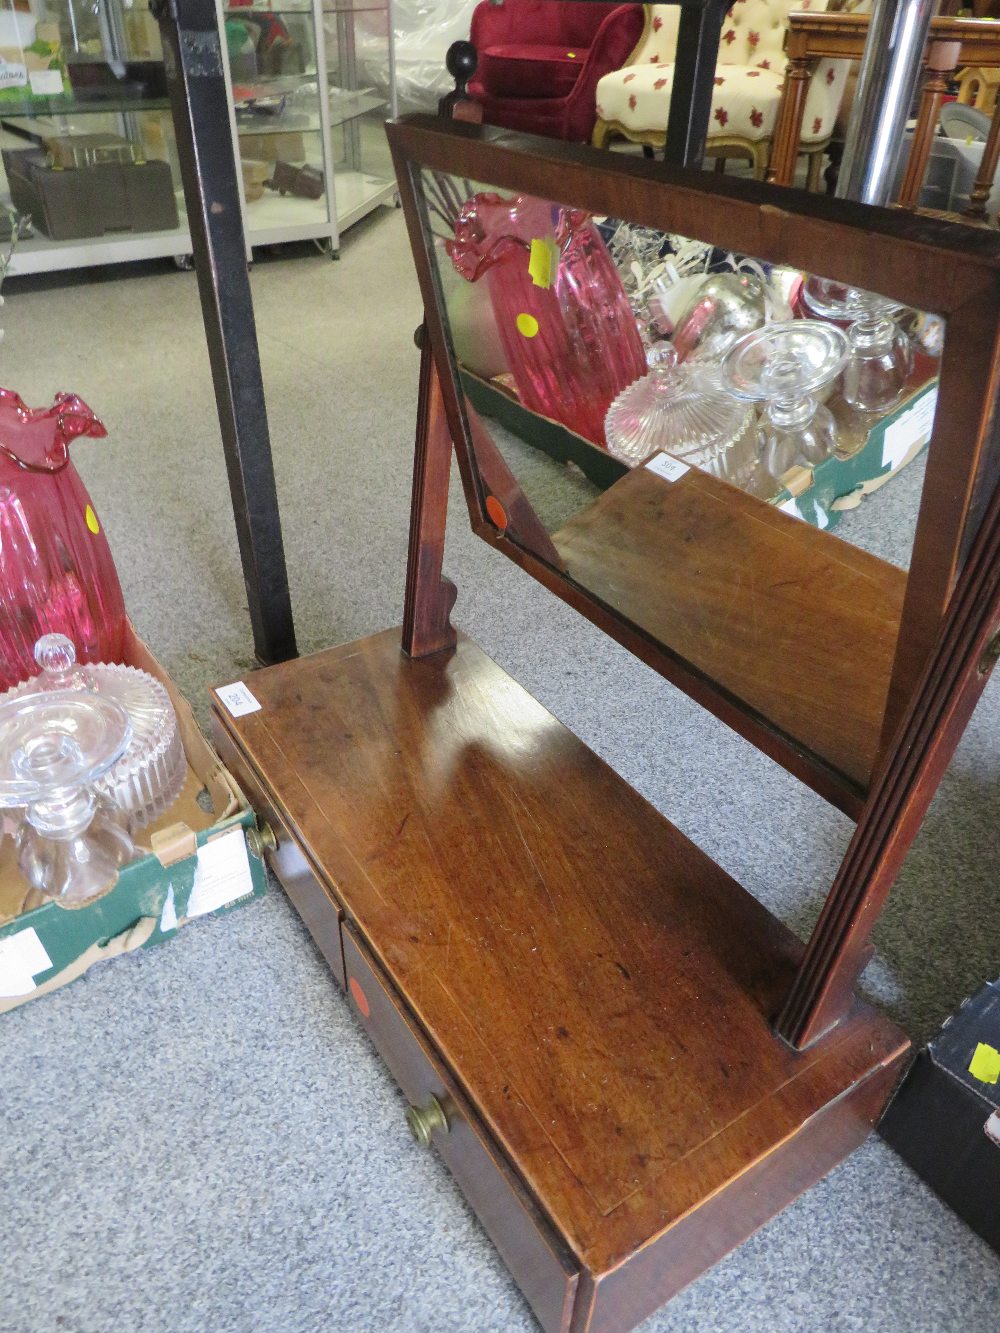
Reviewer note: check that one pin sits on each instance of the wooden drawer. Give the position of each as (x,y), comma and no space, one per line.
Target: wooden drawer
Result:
(540,1265)
(318,910)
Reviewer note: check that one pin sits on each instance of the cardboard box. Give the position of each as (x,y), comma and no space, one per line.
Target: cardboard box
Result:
(31,59)
(945,1119)
(143,33)
(195,860)
(819,495)
(90,200)
(281,146)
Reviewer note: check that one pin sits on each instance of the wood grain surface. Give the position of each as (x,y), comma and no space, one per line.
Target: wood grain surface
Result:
(929,264)
(600,990)
(797,624)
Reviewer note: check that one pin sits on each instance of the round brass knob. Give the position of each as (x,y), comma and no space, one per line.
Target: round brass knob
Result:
(423,1120)
(261,839)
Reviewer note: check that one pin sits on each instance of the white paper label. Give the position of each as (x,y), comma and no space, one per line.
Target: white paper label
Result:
(791,507)
(992,1128)
(911,429)
(666,467)
(22,957)
(14,75)
(238,699)
(222,874)
(168,917)
(45,82)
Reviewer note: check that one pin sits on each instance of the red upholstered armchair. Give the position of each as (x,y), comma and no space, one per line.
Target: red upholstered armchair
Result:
(540,61)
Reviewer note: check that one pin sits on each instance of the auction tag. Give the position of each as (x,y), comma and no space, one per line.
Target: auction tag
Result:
(913,427)
(238,699)
(791,507)
(543,261)
(22,957)
(985,1063)
(222,874)
(670,469)
(46,82)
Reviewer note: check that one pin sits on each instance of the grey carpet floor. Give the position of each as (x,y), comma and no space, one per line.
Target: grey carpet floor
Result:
(199,1139)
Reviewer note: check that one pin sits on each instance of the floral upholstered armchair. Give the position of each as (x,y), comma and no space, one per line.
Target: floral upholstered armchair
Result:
(634,102)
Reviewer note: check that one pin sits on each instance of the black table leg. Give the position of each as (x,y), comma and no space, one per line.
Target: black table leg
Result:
(698,35)
(199,100)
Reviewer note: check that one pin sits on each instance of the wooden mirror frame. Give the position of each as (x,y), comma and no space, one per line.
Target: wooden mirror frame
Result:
(949,269)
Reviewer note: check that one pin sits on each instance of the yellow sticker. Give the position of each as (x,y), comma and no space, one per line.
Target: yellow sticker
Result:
(969,138)
(527,325)
(571,55)
(985,1063)
(543,261)
(92,522)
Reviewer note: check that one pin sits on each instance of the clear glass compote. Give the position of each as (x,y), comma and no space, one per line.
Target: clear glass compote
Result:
(784,366)
(682,409)
(146,780)
(881,355)
(55,745)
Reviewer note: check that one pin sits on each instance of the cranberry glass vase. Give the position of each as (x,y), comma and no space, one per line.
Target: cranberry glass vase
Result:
(56,570)
(561,312)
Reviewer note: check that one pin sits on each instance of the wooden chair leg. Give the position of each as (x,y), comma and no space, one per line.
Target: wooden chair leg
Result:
(720,165)
(759,154)
(815,169)
(599,138)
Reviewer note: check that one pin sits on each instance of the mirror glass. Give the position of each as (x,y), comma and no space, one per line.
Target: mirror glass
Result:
(701,441)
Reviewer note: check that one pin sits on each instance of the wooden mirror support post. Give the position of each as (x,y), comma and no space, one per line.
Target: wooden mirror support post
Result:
(625,1060)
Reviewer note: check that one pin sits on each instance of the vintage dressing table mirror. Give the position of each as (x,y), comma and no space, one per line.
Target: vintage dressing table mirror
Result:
(627,1062)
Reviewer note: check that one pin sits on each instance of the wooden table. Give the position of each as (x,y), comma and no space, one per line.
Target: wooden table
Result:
(575,999)
(842,37)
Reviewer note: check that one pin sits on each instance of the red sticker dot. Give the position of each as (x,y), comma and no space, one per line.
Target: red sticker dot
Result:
(497,513)
(359,997)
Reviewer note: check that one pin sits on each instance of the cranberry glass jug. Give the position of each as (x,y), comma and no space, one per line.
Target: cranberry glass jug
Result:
(565,323)
(56,570)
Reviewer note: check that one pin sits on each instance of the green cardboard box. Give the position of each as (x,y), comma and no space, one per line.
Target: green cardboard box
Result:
(819,495)
(196,861)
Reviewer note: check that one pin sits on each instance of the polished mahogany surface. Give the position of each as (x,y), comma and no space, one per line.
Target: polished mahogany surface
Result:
(601,990)
(801,628)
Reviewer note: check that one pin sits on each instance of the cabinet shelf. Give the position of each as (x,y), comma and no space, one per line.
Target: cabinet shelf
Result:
(345,106)
(275,125)
(70,106)
(41,254)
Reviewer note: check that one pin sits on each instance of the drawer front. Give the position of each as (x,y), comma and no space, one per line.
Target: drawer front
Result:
(540,1266)
(320,913)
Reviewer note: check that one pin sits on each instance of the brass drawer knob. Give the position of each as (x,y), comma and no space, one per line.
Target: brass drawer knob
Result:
(423,1120)
(261,839)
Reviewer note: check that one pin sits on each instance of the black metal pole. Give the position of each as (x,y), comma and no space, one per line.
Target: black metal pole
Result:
(698,35)
(199,100)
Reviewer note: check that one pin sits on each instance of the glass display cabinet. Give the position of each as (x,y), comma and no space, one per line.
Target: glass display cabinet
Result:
(276,63)
(85,134)
(87,140)
(362,85)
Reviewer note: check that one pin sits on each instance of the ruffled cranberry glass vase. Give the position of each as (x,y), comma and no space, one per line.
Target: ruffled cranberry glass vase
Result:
(565,323)
(56,570)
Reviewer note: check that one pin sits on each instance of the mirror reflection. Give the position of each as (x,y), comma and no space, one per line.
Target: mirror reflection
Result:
(642,406)
(638,343)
